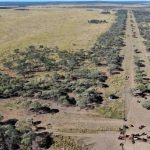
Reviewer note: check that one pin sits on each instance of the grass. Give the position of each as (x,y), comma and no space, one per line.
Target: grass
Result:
(67,28)
(21,104)
(89,131)
(116,85)
(114,111)
(63,142)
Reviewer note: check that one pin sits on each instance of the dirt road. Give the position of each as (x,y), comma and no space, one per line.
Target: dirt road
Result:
(136,114)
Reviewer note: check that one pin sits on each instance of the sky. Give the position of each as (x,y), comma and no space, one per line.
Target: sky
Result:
(64,0)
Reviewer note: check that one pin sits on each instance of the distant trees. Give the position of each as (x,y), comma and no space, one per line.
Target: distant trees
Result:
(106,12)
(96,21)
(143,18)
(106,49)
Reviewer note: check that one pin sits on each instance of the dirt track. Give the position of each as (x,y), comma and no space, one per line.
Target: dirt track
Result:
(136,114)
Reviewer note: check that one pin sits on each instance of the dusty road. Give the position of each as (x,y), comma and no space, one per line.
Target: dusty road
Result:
(136,114)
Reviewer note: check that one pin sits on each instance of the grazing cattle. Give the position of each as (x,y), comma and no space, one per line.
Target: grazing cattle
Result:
(121,131)
(125,119)
(131,125)
(138,138)
(141,127)
(121,138)
(133,141)
(148,137)
(40,128)
(36,123)
(121,144)
(143,134)
(144,140)
(136,135)
(145,97)
(127,136)
(138,101)
(125,126)
(54,111)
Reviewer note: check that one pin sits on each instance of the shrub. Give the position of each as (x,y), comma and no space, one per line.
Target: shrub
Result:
(146,104)
(35,105)
(82,102)
(27,138)
(142,87)
(24,126)
(26,103)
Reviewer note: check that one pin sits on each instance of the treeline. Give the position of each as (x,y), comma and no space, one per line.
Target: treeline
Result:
(107,48)
(106,12)
(77,85)
(142,87)
(96,21)
(143,19)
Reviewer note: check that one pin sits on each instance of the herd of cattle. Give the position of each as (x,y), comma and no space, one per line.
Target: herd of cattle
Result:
(134,137)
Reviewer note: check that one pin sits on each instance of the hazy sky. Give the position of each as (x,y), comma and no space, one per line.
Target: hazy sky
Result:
(64,0)
(67,0)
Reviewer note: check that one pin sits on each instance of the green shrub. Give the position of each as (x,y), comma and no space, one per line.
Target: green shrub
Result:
(35,105)
(142,87)
(146,104)
(24,126)
(27,138)
(26,104)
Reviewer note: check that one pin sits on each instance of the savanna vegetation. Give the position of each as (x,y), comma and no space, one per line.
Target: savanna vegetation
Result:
(143,19)
(68,80)
(142,86)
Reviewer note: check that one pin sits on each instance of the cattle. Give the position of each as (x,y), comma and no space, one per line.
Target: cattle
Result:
(131,125)
(121,138)
(36,123)
(125,126)
(143,134)
(141,127)
(40,128)
(144,139)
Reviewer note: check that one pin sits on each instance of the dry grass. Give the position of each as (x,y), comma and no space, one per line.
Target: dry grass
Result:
(66,28)
(116,85)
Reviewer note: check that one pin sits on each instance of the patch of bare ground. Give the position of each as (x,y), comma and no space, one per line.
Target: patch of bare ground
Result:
(71,120)
(103,141)
(71,123)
